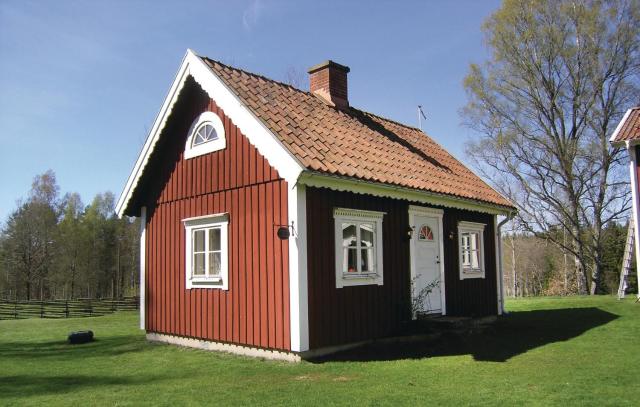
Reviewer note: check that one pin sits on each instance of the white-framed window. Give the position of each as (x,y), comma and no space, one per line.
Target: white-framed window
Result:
(205,136)
(358,239)
(207,251)
(471,247)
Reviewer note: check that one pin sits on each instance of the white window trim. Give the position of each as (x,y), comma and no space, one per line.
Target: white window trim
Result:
(355,215)
(220,220)
(471,227)
(214,145)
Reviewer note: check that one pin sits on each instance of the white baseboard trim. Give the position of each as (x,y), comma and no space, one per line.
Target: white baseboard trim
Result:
(224,347)
(271,354)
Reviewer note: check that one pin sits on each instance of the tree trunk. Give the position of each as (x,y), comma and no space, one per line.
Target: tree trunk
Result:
(565,268)
(73,279)
(581,281)
(596,275)
(580,267)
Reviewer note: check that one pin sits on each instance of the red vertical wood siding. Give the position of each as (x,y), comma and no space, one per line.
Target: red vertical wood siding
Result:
(349,314)
(238,180)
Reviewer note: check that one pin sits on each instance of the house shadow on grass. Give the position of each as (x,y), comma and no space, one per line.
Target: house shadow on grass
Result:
(25,385)
(510,336)
(62,350)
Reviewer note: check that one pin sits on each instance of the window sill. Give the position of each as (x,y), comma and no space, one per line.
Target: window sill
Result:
(356,276)
(359,279)
(214,282)
(471,273)
(206,280)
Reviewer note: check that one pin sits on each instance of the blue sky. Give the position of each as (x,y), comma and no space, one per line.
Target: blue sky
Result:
(81,82)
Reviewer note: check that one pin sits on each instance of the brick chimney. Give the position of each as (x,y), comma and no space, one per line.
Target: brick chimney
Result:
(329,81)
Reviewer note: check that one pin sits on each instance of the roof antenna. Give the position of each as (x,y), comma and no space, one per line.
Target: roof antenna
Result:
(421,115)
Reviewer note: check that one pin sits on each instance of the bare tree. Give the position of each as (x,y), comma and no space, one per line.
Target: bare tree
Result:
(560,77)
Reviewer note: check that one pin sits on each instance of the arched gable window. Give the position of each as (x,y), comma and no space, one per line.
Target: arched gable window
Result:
(204,133)
(205,136)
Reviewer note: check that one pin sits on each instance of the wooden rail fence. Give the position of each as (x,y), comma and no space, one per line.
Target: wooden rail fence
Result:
(81,307)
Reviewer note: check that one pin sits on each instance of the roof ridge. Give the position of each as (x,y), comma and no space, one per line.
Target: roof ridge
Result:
(257,75)
(254,74)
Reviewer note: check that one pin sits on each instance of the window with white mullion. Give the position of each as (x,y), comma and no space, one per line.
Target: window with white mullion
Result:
(350,247)
(207,252)
(215,252)
(471,249)
(358,247)
(199,262)
(366,249)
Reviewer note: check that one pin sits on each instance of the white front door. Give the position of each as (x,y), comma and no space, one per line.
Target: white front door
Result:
(426,268)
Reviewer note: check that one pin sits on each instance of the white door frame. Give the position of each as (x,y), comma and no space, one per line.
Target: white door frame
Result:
(434,213)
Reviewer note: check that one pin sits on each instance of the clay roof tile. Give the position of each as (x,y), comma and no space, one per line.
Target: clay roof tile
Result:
(355,143)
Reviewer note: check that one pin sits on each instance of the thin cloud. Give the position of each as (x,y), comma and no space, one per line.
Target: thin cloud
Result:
(252,14)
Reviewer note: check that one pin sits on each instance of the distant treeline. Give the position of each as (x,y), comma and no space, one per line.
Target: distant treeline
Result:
(54,247)
(536,266)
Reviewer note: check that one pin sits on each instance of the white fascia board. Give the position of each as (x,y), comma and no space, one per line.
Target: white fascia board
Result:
(390,191)
(617,130)
(152,138)
(253,128)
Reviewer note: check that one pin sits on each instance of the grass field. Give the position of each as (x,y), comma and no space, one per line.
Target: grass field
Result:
(548,351)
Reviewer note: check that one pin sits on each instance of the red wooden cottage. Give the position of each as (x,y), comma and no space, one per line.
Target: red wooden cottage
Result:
(376,212)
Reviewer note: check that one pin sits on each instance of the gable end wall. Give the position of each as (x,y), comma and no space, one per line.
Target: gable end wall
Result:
(240,181)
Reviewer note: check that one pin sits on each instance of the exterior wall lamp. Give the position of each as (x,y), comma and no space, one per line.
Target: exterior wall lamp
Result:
(410,230)
(283,231)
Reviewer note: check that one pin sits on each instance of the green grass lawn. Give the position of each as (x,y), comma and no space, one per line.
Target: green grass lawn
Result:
(554,351)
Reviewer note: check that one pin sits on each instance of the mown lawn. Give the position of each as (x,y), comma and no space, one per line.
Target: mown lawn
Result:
(548,351)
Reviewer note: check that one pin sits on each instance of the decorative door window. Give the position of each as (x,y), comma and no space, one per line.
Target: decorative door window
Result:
(425,233)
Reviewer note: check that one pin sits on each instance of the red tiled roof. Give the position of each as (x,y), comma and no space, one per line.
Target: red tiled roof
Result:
(629,128)
(354,143)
